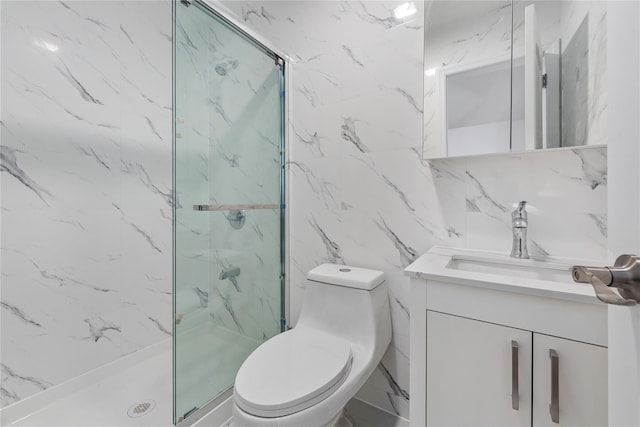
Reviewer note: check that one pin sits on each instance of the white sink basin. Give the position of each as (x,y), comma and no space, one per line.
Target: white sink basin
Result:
(549,278)
(512,267)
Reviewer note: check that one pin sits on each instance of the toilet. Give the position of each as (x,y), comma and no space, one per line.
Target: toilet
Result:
(304,377)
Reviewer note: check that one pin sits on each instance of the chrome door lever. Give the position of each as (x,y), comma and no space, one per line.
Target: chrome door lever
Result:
(603,293)
(624,275)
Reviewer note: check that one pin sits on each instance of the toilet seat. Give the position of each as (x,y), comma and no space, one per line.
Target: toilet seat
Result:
(291,372)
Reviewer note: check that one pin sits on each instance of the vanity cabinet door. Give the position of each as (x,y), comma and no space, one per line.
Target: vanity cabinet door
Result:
(570,379)
(471,372)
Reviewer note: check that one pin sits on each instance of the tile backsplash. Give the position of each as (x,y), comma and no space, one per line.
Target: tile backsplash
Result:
(565,190)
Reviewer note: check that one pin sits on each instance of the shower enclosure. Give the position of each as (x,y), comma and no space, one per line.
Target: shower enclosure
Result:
(228,202)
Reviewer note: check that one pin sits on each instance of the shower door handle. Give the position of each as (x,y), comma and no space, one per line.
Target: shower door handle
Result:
(215,208)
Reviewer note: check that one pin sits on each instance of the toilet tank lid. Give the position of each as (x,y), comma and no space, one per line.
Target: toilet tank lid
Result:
(344,275)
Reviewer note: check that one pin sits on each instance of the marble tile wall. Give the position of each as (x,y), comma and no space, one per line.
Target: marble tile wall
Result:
(86,187)
(566,191)
(361,192)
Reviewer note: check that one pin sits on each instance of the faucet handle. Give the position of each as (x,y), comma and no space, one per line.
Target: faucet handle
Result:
(520,211)
(519,226)
(519,216)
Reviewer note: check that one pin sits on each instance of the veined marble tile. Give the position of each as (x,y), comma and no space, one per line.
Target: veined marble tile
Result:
(70,78)
(43,332)
(338,65)
(566,192)
(543,179)
(569,181)
(67,238)
(385,120)
(86,163)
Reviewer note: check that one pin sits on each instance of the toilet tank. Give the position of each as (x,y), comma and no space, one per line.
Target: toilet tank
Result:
(349,302)
(344,275)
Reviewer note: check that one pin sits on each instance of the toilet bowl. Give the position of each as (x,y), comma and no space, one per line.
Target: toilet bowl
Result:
(304,377)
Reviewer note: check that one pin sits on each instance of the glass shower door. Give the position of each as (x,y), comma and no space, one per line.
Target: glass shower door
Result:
(228,181)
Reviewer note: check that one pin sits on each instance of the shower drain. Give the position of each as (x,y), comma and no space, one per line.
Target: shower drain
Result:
(141,408)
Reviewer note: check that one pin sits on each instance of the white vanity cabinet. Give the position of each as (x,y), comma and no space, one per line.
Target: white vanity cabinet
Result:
(581,382)
(480,373)
(484,344)
(469,373)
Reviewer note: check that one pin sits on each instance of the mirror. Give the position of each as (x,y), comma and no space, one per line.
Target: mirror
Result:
(564,45)
(509,76)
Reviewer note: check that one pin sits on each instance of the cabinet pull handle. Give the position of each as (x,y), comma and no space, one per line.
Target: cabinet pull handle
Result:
(554,407)
(515,395)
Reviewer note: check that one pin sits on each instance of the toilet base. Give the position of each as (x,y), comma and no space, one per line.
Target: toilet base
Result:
(340,420)
(343,421)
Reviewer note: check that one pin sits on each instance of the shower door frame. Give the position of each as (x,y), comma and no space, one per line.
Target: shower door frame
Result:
(217,9)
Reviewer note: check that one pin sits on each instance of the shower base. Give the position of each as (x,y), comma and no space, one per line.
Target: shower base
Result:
(137,389)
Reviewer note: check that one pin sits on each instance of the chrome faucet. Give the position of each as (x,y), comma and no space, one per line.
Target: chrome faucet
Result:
(519,225)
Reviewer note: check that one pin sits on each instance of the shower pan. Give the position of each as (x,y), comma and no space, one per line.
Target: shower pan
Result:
(228,159)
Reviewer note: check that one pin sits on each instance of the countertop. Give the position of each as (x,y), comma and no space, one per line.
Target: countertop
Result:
(433,266)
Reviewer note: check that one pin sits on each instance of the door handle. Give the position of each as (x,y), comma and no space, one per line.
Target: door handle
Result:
(515,388)
(624,275)
(554,406)
(603,293)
